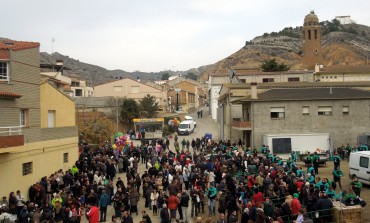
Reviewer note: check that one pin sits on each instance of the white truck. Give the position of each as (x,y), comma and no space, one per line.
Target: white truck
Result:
(284,144)
(186,127)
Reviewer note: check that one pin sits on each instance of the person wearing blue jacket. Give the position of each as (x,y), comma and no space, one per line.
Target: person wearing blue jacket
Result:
(211,194)
(103,204)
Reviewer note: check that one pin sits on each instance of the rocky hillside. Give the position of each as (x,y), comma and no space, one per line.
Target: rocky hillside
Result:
(97,75)
(342,44)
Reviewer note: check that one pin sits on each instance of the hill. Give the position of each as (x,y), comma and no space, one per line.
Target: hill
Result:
(342,44)
(98,75)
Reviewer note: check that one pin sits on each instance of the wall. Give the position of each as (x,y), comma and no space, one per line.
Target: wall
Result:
(342,128)
(52,99)
(25,80)
(126,84)
(47,159)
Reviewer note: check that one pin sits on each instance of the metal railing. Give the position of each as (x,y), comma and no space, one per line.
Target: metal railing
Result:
(11,130)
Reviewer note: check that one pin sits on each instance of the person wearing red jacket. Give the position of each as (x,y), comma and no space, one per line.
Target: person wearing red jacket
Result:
(257,198)
(295,205)
(93,213)
(250,181)
(172,205)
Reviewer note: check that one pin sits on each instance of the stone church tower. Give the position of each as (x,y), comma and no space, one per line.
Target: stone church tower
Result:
(312,52)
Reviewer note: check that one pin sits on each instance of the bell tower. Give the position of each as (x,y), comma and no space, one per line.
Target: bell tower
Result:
(312,52)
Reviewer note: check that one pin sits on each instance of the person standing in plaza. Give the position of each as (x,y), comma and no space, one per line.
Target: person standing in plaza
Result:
(103,205)
(20,201)
(184,201)
(172,205)
(164,215)
(338,174)
(134,199)
(92,213)
(316,162)
(212,194)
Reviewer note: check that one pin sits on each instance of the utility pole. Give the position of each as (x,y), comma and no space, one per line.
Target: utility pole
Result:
(116,100)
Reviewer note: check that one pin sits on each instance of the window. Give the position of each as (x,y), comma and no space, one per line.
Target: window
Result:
(243,80)
(27,168)
(135,89)
(293,79)
(324,110)
(4,71)
(364,162)
(345,110)
(305,110)
(24,120)
(268,80)
(309,34)
(277,112)
(315,34)
(117,88)
(65,157)
(78,93)
(51,119)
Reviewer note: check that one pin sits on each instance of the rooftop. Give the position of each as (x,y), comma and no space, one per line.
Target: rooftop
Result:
(345,69)
(17,45)
(300,84)
(308,94)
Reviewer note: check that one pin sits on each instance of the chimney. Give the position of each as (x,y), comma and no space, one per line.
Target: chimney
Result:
(254,90)
(317,68)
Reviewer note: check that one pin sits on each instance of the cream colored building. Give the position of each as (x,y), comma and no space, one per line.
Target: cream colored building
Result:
(38,134)
(131,89)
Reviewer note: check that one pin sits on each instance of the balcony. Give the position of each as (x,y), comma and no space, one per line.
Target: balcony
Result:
(11,136)
(241,125)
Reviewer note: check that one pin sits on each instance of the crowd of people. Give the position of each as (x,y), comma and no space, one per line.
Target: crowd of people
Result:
(228,182)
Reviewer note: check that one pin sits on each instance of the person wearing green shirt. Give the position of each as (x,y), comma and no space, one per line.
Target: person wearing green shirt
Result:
(263,149)
(316,162)
(349,198)
(300,172)
(308,159)
(337,175)
(311,170)
(336,160)
(310,179)
(331,193)
(294,156)
(74,170)
(356,186)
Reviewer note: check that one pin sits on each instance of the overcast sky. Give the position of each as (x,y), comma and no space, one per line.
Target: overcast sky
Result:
(155,35)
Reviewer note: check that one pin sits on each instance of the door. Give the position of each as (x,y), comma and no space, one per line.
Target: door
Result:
(364,168)
(51,119)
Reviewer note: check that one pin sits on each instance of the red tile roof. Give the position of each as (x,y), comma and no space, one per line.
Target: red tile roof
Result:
(17,45)
(9,95)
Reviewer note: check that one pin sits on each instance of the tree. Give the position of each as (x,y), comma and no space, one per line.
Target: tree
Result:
(96,131)
(191,76)
(149,107)
(272,65)
(165,76)
(129,110)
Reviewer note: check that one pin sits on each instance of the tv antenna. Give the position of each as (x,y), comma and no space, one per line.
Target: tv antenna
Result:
(52,47)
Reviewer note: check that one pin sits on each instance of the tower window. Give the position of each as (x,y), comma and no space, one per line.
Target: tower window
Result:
(315,34)
(309,34)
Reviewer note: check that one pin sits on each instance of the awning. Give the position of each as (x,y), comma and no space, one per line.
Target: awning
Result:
(9,95)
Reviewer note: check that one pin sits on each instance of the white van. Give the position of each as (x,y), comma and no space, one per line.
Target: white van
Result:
(189,118)
(359,166)
(186,127)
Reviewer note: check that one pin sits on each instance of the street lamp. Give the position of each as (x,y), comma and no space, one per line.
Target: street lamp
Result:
(177,98)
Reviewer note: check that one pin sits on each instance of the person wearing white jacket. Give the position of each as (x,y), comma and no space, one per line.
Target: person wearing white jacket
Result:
(154,198)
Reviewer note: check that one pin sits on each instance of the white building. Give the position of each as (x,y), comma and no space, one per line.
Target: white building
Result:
(344,20)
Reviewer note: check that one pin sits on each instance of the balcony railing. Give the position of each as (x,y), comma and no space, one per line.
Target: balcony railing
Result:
(11,136)
(11,130)
(241,124)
